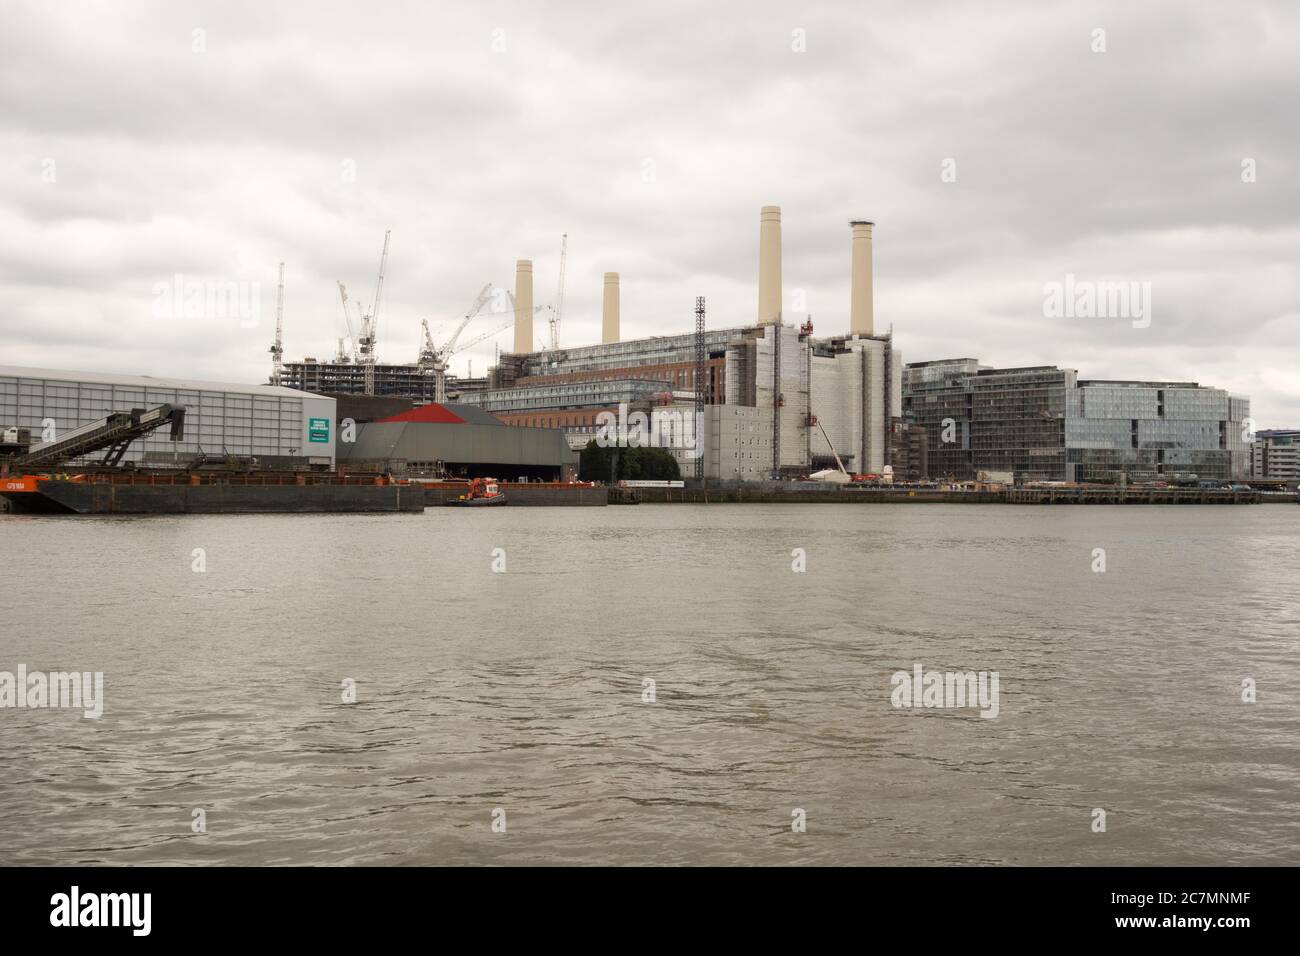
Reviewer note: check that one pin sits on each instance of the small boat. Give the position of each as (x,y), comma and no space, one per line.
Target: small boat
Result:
(483,492)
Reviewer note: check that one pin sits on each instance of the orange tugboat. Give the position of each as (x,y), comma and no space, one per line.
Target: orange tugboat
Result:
(482,492)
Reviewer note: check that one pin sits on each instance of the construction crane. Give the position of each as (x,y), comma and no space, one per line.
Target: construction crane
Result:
(370,324)
(841,476)
(485,335)
(352,336)
(434,358)
(558,309)
(277,347)
(438,363)
(838,463)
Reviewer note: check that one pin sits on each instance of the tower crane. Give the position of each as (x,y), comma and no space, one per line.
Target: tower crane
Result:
(370,324)
(485,335)
(438,363)
(352,336)
(558,309)
(434,358)
(277,347)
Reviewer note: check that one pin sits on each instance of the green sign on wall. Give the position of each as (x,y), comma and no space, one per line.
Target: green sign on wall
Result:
(318,429)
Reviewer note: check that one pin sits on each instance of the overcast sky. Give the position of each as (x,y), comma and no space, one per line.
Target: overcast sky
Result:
(134,148)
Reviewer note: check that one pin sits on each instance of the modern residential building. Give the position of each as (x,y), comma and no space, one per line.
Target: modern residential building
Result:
(1151,430)
(910,453)
(1042,424)
(1275,453)
(977,418)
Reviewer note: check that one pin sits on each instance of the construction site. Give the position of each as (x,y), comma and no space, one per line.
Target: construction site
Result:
(354,369)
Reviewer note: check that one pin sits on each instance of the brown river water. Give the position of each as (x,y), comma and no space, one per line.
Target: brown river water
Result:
(518,700)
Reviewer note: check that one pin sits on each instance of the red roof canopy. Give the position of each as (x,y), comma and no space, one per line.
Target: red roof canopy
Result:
(433,412)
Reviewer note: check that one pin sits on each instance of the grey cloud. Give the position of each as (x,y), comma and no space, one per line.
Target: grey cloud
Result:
(218,165)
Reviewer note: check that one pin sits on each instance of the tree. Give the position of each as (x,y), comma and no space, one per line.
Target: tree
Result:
(634,464)
(593,462)
(648,464)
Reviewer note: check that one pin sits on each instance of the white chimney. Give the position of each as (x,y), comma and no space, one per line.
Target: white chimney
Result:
(524,306)
(609,314)
(769,265)
(861,308)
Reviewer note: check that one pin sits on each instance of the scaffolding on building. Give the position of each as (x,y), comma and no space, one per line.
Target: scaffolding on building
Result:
(700,360)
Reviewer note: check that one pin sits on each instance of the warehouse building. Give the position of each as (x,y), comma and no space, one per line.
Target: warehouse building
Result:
(456,441)
(281,427)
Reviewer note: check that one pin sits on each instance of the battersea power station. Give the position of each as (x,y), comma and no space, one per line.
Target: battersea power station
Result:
(769,397)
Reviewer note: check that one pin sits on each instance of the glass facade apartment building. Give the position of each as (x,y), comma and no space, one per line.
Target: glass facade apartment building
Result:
(1042,424)
(978,418)
(1153,430)
(1275,453)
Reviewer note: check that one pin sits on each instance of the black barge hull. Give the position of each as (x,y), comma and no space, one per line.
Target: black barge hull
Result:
(105,498)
